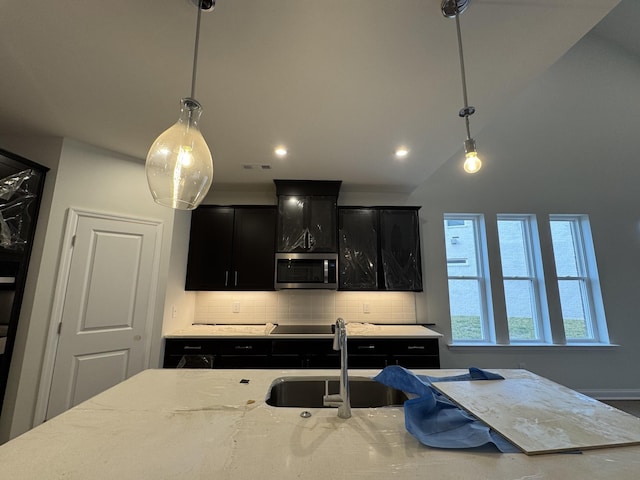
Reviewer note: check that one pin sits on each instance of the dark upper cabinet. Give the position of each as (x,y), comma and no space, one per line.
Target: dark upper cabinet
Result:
(231,248)
(254,248)
(306,224)
(379,249)
(307,215)
(21,185)
(400,249)
(358,248)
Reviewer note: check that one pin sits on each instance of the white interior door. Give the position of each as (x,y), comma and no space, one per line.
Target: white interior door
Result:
(108,307)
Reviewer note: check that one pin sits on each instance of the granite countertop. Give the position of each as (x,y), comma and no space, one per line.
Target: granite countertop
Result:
(356,330)
(206,424)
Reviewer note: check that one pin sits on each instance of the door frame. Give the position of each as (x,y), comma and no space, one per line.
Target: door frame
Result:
(62,278)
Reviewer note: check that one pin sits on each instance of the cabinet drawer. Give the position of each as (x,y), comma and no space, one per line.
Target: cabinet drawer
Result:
(367,347)
(243,347)
(302,347)
(414,347)
(417,361)
(189,347)
(368,361)
(331,360)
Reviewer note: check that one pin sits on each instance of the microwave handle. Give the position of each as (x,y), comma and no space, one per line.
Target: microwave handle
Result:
(326,271)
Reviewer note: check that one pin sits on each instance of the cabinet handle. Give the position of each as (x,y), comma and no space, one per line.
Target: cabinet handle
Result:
(415,347)
(235,279)
(226,278)
(243,347)
(188,347)
(366,347)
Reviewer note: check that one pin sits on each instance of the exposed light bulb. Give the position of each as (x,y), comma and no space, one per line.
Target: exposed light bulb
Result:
(179,166)
(472,163)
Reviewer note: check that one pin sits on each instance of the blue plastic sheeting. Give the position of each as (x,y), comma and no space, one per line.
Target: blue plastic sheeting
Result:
(434,420)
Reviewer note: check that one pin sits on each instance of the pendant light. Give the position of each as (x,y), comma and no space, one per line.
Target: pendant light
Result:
(179,166)
(453,9)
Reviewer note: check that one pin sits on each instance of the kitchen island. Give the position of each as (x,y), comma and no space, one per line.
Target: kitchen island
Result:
(215,424)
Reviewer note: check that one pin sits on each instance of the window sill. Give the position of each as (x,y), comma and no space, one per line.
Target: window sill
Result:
(531,346)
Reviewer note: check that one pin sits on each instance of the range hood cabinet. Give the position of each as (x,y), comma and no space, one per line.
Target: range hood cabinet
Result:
(307,215)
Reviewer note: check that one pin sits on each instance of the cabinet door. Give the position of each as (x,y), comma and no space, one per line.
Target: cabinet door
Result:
(307,223)
(321,224)
(400,249)
(254,248)
(210,249)
(292,233)
(358,248)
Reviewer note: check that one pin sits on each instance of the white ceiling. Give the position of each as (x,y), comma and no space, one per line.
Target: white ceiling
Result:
(342,83)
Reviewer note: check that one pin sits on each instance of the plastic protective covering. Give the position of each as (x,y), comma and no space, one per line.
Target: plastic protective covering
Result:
(292,235)
(358,249)
(306,224)
(400,248)
(16,194)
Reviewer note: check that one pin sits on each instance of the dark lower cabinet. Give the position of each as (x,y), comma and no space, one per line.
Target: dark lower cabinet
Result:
(299,353)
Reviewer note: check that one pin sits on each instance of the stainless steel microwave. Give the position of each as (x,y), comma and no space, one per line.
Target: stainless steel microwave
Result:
(306,270)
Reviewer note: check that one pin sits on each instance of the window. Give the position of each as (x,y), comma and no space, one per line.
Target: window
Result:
(568,310)
(468,287)
(520,277)
(577,279)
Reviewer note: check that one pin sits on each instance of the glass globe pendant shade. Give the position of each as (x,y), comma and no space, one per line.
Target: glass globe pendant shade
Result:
(179,166)
(472,163)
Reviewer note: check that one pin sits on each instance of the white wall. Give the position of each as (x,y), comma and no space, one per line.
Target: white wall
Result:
(567,145)
(92,179)
(179,304)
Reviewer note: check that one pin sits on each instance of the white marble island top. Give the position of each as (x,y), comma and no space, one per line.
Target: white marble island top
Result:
(355,330)
(205,424)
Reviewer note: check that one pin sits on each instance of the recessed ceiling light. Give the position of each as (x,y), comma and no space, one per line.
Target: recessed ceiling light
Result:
(280,151)
(402,152)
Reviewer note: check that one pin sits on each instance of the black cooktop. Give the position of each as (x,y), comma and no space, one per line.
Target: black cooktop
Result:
(303,329)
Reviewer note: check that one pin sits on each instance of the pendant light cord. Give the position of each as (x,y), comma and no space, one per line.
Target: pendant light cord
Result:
(195,52)
(467,110)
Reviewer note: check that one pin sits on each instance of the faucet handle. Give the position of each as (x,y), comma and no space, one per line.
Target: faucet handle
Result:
(332,400)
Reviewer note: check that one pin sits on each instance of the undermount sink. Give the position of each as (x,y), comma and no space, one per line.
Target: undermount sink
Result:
(308,392)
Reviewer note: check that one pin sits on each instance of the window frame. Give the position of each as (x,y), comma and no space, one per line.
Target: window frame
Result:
(587,276)
(481,276)
(535,276)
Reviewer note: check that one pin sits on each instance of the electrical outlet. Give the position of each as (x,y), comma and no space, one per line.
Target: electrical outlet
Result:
(236,307)
(174,311)
(365,308)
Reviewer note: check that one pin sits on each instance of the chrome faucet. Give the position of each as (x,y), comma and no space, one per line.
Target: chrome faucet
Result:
(341,400)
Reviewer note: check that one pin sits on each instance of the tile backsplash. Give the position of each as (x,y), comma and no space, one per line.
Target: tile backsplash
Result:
(304,307)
